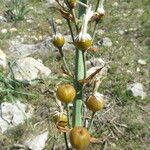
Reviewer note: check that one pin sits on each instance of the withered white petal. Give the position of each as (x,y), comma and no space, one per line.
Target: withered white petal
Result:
(84,36)
(57,36)
(87,17)
(101,7)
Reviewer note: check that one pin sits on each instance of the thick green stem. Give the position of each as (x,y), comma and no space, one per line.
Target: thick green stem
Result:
(79,75)
(84,60)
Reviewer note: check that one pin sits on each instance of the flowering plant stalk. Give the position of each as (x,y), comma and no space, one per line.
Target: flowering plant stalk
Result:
(67,120)
(80,72)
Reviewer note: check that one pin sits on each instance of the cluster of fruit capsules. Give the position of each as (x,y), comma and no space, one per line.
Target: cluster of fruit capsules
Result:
(66,94)
(79,136)
(84,41)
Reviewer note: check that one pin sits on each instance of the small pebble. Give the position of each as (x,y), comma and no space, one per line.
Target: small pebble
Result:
(121,32)
(115,4)
(100,32)
(13,30)
(142,62)
(40,37)
(138,69)
(58,22)
(29,21)
(129,71)
(4,31)
(106,42)
(31,8)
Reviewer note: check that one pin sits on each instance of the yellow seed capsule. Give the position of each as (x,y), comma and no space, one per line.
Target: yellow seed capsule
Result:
(83,42)
(66,93)
(79,138)
(71,3)
(61,119)
(94,103)
(58,40)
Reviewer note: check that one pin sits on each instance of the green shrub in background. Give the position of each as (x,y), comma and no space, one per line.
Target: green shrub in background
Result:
(16,10)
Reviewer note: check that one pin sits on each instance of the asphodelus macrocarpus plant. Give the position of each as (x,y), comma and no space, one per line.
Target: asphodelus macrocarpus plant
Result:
(78,15)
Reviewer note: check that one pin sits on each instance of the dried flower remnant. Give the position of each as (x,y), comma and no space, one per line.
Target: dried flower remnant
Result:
(100,8)
(100,12)
(60,118)
(84,41)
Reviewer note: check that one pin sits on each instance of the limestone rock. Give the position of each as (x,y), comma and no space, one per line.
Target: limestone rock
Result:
(3,60)
(24,50)
(37,142)
(12,114)
(2,19)
(99,62)
(121,32)
(142,62)
(139,12)
(43,48)
(67,46)
(100,32)
(27,69)
(21,50)
(4,31)
(51,3)
(137,90)
(12,30)
(103,72)
(94,64)
(105,42)
(115,4)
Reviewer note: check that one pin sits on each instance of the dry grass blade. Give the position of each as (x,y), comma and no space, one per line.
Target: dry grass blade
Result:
(98,140)
(66,73)
(65,14)
(62,129)
(93,49)
(59,4)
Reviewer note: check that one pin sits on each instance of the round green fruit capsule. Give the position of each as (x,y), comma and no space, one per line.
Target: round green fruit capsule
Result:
(58,40)
(94,103)
(66,93)
(79,138)
(84,42)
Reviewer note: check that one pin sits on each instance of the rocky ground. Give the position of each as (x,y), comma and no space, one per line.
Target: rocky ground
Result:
(30,71)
